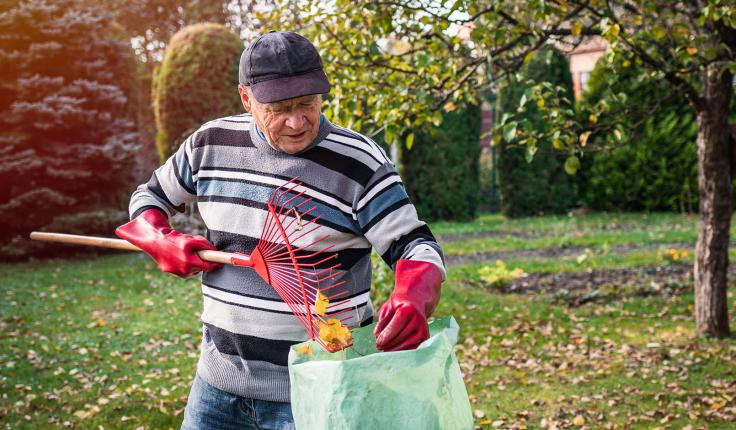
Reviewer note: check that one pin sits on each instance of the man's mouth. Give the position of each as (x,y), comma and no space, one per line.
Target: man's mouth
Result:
(297,136)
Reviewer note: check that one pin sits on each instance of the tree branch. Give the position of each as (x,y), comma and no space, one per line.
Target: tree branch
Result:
(657,65)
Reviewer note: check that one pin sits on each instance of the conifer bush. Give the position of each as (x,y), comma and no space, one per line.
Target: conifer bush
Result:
(535,185)
(69,139)
(441,169)
(656,169)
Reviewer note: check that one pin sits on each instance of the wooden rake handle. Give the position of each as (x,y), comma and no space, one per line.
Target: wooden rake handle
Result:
(106,242)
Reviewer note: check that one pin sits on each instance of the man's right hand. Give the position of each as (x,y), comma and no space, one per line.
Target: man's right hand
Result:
(174,252)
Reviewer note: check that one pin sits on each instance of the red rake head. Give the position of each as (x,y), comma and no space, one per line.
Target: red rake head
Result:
(294,271)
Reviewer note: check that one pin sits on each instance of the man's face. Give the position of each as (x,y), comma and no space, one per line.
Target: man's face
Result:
(289,125)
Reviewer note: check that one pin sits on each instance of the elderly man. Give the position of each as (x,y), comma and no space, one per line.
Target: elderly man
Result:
(229,167)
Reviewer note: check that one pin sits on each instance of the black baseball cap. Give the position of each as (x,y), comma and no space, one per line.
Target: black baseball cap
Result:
(281,65)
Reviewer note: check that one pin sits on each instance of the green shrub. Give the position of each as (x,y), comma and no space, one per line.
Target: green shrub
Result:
(657,168)
(382,281)
(196,82)
(440,171)
(540,186)
(499,276)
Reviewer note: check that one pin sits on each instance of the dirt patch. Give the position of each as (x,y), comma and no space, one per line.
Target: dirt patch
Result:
(557,252)
(593,279)
(527,234)
(577,288)
(502,234)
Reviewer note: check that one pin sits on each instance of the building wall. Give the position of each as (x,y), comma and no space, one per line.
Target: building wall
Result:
(581,64)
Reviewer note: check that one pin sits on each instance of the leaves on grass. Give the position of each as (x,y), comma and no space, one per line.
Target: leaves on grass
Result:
(635,370)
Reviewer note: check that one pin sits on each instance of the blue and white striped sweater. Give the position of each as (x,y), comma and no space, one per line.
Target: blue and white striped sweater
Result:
(231,171)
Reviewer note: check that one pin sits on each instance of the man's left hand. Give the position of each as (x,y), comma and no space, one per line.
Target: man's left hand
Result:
(402,320)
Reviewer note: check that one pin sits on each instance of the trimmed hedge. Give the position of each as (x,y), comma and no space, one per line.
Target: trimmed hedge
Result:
(540,186)
(440,171)
(196,82)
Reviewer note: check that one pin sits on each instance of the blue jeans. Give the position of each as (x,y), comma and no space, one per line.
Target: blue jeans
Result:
(211,408)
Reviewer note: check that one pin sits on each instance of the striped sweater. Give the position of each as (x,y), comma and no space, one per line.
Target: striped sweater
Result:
(231,171)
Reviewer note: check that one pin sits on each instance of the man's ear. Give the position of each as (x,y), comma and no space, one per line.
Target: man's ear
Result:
(244,97)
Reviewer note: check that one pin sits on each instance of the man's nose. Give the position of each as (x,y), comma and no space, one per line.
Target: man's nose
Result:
(295,120)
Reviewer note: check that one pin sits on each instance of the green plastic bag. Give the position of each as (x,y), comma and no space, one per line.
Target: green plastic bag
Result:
(361,388)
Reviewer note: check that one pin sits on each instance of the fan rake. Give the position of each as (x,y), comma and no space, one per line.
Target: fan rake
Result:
(301,284)
(288,257)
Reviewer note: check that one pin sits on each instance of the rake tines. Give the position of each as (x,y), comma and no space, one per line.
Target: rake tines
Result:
(292,270)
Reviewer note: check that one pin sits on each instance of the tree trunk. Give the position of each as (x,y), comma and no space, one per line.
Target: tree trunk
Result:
(714,185)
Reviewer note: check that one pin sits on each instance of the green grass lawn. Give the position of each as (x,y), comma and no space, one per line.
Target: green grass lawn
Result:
(110,342)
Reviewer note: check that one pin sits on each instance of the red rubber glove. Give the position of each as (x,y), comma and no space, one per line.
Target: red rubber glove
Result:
(174,252)
(402,320)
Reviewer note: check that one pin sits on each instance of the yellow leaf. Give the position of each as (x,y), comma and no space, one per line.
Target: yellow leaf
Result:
(409,140)
(335,335)
(320,303)
(305,349)
(717,405)
(577,28)
(540,103)
(529,56)
(615,29)
(584,138)
(578,420)
(593,118)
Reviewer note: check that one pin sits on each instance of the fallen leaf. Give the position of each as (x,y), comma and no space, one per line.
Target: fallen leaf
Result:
(717,405)
(320,303)
(305,349)
(81,414)
(335,335)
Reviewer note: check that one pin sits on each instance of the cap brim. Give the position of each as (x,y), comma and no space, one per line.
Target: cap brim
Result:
(291,87)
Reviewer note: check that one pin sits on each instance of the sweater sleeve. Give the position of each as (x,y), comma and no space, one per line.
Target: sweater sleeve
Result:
(171,186)
(389,221)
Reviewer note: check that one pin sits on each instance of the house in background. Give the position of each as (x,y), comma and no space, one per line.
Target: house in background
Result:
(582,60)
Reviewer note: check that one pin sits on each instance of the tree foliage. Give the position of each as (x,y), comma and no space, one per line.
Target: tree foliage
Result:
(408,58)
(657,169)
(152,23)
(68,142)
(395,64)
(532,178)
(196,82)
(440,170)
